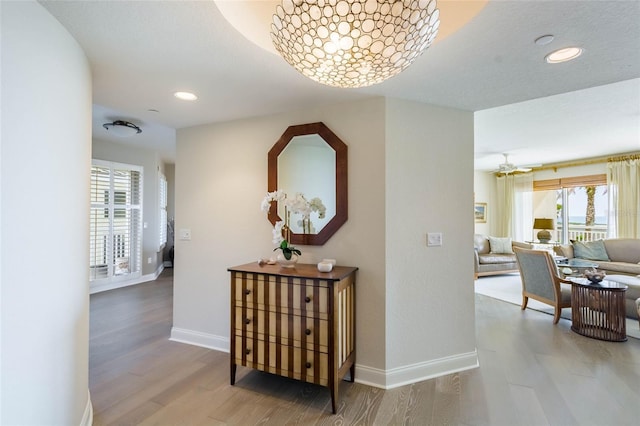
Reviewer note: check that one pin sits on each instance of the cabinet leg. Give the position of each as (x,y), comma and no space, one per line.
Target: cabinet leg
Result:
(232,375)
(352,373)
(334,396)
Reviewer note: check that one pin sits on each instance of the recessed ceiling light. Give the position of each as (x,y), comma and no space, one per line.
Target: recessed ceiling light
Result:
(563,55)
(545,39)
(185,96)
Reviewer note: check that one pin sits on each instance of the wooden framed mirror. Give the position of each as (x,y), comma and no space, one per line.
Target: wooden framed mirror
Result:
(308,150)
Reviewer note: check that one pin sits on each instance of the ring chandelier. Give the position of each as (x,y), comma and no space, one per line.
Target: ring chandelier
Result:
(353,43)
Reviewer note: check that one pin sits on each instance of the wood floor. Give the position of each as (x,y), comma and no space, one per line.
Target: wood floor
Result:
(531,373)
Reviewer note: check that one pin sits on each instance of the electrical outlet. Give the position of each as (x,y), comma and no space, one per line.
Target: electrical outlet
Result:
(434,239)
(149,260)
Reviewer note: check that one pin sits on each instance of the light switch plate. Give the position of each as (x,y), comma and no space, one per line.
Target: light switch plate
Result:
(434,239)
(185,234)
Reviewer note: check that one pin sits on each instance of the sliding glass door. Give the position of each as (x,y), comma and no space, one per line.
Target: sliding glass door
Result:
(583,213)
(579,206)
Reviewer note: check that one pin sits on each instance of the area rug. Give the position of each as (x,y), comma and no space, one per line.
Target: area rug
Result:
(508,288)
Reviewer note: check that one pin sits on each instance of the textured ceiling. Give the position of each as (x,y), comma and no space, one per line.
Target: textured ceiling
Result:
(143,51)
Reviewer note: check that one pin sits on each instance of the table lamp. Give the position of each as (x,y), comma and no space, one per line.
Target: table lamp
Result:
(544,236)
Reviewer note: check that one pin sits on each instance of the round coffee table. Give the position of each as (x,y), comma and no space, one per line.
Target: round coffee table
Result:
(577,266)
(597,310)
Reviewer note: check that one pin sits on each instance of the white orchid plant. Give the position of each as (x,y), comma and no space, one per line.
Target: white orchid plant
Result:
(297,205)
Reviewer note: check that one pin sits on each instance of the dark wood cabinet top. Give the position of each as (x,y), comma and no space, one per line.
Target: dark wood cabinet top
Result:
(301,270)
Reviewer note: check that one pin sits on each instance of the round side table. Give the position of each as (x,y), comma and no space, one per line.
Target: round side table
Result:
(597,310)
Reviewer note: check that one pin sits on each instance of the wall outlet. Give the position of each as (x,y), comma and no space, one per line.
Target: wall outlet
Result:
(149,260)
(434,239)
(185,234)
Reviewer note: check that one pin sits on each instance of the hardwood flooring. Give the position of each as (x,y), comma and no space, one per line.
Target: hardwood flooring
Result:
(531,373)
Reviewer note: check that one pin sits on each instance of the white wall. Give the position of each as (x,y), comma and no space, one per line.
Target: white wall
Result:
(221,178)
(429,290)
(484,189)
(170,174)
(46,141)
(151,163)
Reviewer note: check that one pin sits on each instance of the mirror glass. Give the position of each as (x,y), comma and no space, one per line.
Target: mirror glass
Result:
(311,160)
(308,166)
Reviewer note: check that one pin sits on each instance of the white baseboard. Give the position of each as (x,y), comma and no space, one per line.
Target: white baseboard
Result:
(87,416)
(396,377)
(197,338)
(384,379)
(97,288)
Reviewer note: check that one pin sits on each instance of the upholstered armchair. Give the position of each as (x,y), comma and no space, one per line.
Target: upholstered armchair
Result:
(540,280)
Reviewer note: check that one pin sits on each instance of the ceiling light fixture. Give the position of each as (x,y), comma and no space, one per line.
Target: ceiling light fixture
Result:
(544,40)
(563,55)
(185,96)
(122,128)
(353,43)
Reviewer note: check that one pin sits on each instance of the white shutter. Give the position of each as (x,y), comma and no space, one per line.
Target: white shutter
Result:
(116,221)
(100,221)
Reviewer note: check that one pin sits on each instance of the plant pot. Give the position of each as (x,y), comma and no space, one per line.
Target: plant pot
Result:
(287,263)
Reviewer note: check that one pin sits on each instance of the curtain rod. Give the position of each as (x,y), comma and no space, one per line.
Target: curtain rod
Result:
(595,160)
(625,157)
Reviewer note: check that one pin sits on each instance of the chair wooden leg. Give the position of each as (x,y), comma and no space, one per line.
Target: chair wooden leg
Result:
(556,315)
(525,300)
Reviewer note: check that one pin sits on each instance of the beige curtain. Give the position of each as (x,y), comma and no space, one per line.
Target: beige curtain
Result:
(504,198)
(623,180)
(515,206)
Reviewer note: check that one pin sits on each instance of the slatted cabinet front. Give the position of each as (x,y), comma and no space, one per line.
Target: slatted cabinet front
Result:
(295,325)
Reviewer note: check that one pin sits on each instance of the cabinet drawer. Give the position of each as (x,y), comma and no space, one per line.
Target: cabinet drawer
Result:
(282,294)
(284,329)
(296,363)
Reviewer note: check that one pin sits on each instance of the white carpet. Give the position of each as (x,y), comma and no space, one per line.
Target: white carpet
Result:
(508,288)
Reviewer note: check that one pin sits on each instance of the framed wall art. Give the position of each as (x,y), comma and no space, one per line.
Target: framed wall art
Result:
(480,212)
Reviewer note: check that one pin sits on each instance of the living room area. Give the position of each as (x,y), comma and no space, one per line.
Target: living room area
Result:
(560,174)
(583,211)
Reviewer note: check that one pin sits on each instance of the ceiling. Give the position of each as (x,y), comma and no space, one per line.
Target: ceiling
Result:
(141,52)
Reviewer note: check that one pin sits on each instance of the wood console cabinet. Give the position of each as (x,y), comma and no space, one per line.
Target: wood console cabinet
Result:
(298,323)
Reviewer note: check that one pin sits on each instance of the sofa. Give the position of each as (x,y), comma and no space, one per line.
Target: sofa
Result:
(496,259)
(619,258)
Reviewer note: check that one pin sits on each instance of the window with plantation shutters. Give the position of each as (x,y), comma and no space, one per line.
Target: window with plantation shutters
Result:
(116,221)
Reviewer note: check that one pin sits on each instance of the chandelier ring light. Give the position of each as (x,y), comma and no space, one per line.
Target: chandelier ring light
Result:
(353,43)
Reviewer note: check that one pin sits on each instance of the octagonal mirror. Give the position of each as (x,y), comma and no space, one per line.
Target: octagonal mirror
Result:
(311,160)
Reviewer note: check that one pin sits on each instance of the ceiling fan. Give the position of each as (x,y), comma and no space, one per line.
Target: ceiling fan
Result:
(508,167)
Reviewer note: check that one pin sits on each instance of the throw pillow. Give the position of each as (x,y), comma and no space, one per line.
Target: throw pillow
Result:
(593,250)
(500,245)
